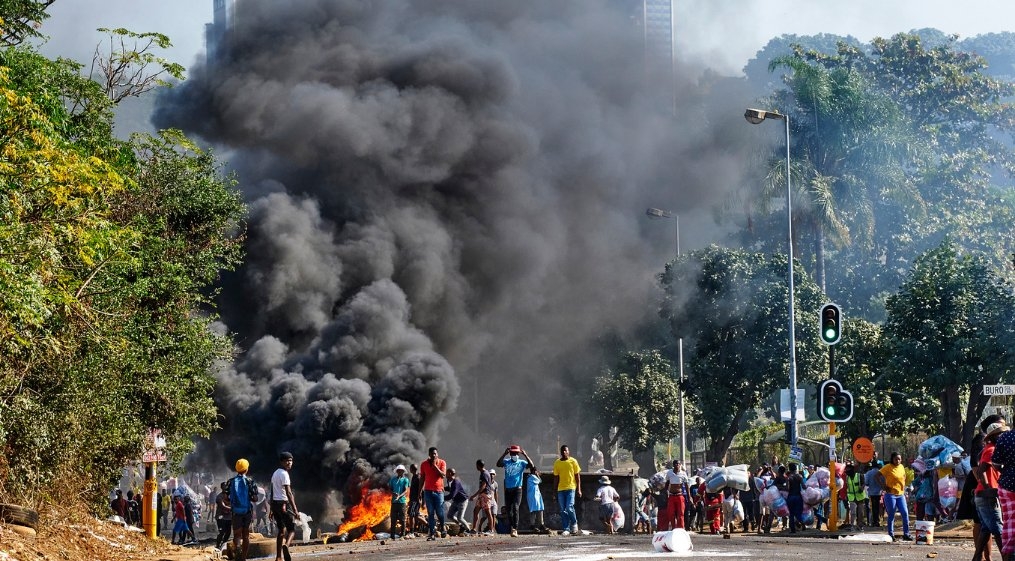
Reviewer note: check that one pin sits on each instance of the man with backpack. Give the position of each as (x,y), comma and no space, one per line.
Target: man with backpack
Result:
(242,498)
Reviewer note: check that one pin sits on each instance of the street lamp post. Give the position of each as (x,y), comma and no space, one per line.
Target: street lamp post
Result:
(755,117)
(660,213)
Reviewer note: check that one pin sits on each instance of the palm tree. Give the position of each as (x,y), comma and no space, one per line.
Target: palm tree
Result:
(850,147)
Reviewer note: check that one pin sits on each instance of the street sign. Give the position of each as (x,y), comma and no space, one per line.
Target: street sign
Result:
(796,454)
(154,447)
(863,450)
(784,408)
(999,389)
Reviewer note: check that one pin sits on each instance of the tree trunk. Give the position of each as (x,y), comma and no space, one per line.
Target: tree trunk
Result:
(974,408)
(606,447)
(819,258)
(717,448)
(646,460)
(950,409)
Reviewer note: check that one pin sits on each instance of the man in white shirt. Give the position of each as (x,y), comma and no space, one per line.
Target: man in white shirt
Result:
(676,479)
(283,507)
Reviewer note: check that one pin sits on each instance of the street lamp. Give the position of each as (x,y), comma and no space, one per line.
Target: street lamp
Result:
(755,117)
(657,213)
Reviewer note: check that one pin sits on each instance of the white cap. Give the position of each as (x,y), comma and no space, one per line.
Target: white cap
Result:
(399,467)
(493,472)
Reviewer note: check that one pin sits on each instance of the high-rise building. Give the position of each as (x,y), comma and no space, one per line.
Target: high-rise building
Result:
(657,18)
(214,32)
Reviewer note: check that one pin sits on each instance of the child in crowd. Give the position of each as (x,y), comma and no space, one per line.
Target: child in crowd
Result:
(607,497)
(534,499)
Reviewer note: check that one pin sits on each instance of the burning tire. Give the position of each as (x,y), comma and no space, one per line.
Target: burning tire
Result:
(18,515)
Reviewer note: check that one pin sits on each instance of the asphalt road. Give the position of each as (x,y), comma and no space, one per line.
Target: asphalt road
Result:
(629,547)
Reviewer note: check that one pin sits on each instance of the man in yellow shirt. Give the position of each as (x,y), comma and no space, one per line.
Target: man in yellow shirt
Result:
(893,480)
(565,473)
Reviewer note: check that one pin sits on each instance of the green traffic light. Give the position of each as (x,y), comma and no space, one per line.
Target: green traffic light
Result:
(830,334)
(830,410)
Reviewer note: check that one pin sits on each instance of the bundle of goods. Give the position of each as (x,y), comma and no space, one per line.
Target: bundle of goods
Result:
(775,500)
(658,481)
(733,510)
(935,451)
(717,478)
(948,491)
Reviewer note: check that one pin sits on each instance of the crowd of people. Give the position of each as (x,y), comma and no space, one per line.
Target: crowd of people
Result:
(869,495)
(237,506)
(436,488)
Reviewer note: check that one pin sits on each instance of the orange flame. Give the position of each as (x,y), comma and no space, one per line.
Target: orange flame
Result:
(374,507)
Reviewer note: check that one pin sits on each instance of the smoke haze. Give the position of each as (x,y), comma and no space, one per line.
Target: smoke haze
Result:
(446,219)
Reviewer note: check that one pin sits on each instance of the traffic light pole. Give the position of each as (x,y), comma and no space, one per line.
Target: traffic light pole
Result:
(833,490)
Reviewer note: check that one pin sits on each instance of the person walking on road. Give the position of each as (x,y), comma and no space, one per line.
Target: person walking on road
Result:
(534,499)
(607,497)
(433,472)
(874,493)
(223,515)
(515,461)
(568,485)
(283,507)
(483,498)
(892,478)
(415,497)
(399,485)
(242,500)
(458,497)
(676,479)
(988,509)
(1003,458)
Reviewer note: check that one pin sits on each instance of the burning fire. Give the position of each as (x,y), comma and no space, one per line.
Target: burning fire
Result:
(374,507)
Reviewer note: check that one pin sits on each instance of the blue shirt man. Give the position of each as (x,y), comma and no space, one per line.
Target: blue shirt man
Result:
(399,485)
(514,473)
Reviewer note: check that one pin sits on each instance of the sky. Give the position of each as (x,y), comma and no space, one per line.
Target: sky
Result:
(727,33)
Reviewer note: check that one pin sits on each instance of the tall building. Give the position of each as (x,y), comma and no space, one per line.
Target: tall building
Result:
(657,19)
(222,16)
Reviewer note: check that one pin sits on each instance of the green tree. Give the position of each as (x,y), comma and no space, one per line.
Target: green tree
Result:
(20,19)
(850,144)
(110,251)
(731,308)
(950,331)
(639,400)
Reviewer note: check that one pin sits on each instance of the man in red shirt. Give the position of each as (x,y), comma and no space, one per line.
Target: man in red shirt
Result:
(986,498)
(433,471)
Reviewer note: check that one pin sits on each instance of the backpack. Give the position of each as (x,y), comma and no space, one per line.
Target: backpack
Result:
(242,494)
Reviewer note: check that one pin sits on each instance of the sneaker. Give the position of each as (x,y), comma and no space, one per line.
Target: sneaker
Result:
(565,533)
(430,538)
(514,533)
(907,538)
(444,534)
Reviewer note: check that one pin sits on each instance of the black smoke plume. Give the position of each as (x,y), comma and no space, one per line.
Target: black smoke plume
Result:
(446,211)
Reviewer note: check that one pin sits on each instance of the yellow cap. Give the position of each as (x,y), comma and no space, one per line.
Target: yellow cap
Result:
(242,465)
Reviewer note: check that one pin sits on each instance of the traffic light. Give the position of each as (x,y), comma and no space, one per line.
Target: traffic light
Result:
(831,324)
(834,403)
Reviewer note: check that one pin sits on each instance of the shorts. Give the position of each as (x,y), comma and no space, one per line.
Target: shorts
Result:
(988,510)
(606,511)
(242,521)
(483,501)
(284,518)
(180,526)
